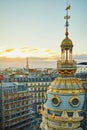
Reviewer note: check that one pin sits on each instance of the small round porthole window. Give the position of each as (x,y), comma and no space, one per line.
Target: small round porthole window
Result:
(74,101)
(55,101)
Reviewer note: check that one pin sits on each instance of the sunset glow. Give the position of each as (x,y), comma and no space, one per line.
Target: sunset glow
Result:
(28,52)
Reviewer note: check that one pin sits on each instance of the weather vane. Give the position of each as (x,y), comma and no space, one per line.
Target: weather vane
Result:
(67,17)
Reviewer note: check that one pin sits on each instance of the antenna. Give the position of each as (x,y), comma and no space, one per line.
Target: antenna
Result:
(67,17)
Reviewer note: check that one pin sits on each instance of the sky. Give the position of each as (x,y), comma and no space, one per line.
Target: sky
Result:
(36,28)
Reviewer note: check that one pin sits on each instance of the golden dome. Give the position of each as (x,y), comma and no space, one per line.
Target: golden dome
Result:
(69,85)
(66,43)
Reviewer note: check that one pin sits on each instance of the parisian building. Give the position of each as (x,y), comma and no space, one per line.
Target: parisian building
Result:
(65,97)
(15,107)
(22,96)
(82,75)
(36,84)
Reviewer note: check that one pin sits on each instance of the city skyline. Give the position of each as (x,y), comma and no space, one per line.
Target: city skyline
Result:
(36,28)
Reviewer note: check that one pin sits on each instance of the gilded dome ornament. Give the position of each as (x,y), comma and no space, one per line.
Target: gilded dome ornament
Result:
(67,44)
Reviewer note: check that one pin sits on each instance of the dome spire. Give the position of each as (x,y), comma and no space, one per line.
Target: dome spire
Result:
(66,66)
(67,17)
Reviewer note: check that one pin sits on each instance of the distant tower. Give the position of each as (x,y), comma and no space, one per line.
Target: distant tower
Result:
(27,64)
(63,108)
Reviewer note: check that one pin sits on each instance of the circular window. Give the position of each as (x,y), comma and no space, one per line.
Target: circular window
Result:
(74,101)
(55,101)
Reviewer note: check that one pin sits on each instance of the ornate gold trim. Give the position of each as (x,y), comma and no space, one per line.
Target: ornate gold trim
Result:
(56,110)
(67,91)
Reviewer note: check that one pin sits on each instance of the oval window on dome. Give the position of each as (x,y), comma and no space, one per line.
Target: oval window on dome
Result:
(55,101)
(74,101)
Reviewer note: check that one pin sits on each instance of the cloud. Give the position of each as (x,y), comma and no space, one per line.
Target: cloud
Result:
(28,49)
(6,51)
(52,54)
(32,49)
(9,50)
(47,50)
(35,61)
(80,57)
(37,54)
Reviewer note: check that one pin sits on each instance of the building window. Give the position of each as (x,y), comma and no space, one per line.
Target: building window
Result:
(55,100)
(69,124)
(70,114)
(74,101)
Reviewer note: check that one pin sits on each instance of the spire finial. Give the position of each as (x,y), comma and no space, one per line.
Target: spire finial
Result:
(67,17)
